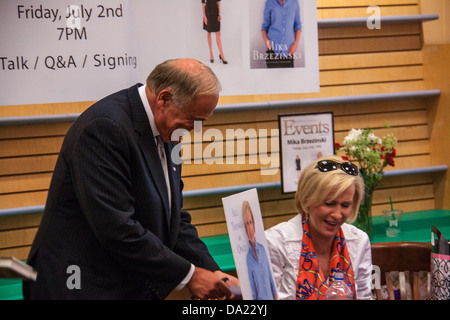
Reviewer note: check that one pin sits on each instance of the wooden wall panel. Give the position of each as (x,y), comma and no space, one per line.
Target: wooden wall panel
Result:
(18,237)
(341,109)
(362,3)
(362,12)
(370,60)
(23,183)
(40,109)
(18,252)
(327,9)
(34,130)
(23,199)
(385,74)
(30,146)
(353,61)
(28,164)
(356,32)
(367,45)
(20,221)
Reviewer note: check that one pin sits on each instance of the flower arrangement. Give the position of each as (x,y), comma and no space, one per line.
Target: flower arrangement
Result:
(373,154)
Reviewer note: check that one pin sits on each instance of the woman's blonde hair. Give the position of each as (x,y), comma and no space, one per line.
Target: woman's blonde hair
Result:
(246,207)
(314,187)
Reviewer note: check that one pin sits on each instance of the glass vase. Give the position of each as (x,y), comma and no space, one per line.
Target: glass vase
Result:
(364,219)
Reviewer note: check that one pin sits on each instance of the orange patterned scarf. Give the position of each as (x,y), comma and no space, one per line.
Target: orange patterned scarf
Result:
(311,284)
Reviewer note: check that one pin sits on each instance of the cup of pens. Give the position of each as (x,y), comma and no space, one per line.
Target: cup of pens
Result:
(392,219)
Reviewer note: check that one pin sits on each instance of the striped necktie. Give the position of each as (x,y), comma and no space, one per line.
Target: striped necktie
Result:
(162,156)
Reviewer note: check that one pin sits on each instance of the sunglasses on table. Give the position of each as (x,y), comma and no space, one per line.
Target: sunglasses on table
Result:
(330,165)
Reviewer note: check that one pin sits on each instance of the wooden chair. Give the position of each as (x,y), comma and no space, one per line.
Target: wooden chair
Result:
(402,267)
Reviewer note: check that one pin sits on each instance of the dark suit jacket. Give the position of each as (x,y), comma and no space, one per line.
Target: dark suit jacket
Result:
(107,212)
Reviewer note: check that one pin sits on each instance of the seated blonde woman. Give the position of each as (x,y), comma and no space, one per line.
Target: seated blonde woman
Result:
(307,250)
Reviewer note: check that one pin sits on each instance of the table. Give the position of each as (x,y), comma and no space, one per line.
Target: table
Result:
(416,226)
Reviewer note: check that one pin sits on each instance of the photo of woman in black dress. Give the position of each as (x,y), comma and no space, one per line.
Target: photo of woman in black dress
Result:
(211,23)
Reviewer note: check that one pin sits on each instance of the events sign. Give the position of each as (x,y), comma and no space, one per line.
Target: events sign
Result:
(64,51)
(303,139)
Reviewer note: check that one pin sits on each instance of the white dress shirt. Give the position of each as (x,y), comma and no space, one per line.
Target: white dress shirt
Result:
(155,131)
(285,245)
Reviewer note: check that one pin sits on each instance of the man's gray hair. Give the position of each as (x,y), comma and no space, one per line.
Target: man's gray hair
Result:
(186,79)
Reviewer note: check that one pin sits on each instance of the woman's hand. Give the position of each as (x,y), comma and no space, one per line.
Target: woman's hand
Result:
(266,40)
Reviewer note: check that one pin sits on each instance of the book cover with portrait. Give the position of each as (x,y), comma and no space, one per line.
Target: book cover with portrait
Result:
(249,245)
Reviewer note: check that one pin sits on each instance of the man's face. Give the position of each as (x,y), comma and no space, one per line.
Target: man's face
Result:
(169,117)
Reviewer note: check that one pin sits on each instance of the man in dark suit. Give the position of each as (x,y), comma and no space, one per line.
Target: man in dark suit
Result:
(113,227)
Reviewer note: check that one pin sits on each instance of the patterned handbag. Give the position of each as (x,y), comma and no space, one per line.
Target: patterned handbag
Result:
(440,267)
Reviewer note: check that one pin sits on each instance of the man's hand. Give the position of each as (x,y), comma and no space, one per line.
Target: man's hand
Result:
(230,281)
(205,284)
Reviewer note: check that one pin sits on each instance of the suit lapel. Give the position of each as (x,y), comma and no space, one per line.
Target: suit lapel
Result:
(148,146)
(175,179)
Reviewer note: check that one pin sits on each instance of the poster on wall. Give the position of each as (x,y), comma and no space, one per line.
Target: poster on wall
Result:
(60,51)
(304,138)
(249,246)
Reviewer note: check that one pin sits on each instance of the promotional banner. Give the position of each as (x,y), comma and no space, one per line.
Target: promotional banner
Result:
(60,51)
(303,139)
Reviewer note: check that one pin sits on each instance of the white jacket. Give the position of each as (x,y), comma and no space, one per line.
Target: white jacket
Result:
(284,242)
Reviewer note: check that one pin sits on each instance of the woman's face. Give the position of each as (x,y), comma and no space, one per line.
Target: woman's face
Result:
(326,218)
(249,226)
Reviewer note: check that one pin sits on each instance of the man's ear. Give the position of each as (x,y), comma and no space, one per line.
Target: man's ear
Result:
(165,96)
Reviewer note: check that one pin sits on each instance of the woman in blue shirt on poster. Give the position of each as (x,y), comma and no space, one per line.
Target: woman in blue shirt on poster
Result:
(281,29)
(259,273)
